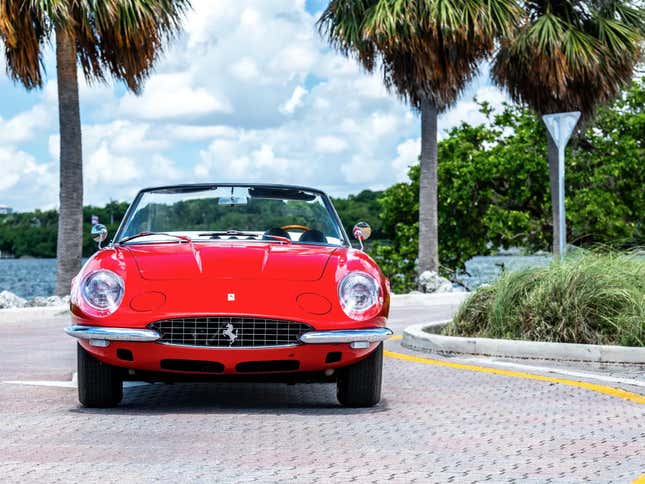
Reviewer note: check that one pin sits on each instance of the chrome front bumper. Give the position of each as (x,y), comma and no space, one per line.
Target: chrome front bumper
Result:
(369,335)
(112,334)
(102,333)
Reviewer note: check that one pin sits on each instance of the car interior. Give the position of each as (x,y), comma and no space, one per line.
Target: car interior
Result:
(308,236)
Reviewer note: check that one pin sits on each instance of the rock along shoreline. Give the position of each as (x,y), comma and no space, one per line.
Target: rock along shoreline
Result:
(9,300)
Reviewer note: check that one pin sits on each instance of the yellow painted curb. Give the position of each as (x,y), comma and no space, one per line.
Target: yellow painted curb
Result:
(614,392)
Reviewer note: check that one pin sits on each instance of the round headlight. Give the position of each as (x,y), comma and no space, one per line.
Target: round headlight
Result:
(103,291)
(358,293)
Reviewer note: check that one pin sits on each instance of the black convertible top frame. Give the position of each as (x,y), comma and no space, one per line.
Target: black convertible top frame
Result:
(211,186)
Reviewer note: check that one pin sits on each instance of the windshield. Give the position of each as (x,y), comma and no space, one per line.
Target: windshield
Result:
(251,213)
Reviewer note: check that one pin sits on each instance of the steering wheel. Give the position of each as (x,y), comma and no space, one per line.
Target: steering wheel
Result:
(304,228)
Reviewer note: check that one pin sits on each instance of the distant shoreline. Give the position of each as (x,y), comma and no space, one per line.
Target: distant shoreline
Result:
(27,257)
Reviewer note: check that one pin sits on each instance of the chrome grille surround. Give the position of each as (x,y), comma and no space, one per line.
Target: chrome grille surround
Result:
(215,332)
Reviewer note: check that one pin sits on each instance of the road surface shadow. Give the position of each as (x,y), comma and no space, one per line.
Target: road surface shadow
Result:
(222,398)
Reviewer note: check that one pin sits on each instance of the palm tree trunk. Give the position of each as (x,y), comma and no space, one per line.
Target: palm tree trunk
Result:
(428,225)
(70,221)
(552,155)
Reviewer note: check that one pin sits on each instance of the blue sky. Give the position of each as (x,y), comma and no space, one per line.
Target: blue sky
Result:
(249,92)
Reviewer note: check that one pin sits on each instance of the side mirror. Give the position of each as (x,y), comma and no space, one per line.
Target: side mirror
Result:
(99,233)
(362,231)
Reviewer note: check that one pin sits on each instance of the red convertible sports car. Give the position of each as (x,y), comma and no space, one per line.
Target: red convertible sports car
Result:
(230,281)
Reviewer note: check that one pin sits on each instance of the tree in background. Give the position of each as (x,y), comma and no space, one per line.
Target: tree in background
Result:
(428,50)
(33,234)
(493,188)
(116,38)
(570,55)
(364,207)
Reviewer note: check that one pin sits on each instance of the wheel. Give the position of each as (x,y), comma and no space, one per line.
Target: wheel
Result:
(359,385)
(99,384)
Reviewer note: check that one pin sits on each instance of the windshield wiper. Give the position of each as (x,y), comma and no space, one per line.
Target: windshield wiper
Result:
(241,233)
(147,234)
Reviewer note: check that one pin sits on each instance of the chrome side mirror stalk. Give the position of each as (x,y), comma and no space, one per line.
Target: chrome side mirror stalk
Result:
(99,233)
(362,231)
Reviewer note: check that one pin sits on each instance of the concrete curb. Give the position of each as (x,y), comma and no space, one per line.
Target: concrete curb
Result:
(418,338)
(435,327)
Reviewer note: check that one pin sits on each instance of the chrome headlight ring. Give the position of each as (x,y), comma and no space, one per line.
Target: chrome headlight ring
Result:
(360,295)
(102,290)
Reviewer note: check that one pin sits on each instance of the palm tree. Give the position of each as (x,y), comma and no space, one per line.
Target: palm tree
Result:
(569,55)
(427,50)
(117,38)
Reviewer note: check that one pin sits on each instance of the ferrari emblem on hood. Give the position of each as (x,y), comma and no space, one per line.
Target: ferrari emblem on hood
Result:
(230,333)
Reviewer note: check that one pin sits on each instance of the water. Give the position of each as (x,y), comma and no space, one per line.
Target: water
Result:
(37,277)
(485,269)
(28,277)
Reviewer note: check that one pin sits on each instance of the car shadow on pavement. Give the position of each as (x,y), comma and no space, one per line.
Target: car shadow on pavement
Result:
(257,398)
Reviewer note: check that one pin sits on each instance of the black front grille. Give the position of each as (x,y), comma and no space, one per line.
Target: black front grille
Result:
(229,332)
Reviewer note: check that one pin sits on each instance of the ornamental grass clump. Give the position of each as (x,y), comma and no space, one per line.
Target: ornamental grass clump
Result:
(593,299)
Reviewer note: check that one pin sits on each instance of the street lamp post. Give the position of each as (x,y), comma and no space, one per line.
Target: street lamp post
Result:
(560,126)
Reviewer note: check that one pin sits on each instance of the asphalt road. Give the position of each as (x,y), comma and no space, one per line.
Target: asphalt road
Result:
(437,423)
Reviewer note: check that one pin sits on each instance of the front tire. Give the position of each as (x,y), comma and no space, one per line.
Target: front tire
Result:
(99,384)
(359,385)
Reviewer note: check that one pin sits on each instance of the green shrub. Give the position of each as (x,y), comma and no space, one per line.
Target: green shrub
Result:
(493,187)
(593,298)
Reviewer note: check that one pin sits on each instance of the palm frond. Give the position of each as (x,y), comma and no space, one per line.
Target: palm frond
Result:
(426,49)
(124,38)
(114,38)
(24,31)
(570,55)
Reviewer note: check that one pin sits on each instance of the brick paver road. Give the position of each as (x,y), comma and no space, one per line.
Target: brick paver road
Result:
(435,424)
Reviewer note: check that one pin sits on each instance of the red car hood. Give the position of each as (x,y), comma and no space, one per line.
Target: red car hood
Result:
(221,260)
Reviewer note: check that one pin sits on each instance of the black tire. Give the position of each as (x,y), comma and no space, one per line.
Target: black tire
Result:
(99,384)
(359,385)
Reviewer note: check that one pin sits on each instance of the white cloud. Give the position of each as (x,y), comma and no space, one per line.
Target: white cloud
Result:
(19,167)
(245,69)
(122,157)
(232,160)
(362,170)
(124,137)
(383,123)
(172,96)
(197,133)
(294,58)
(24,126)
(330,144)
(165,169)
(14,165)
(407,155)
(53,146)
(467,110)
(104,166)
(295,101)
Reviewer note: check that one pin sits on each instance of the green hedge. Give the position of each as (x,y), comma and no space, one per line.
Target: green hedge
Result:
(593,298)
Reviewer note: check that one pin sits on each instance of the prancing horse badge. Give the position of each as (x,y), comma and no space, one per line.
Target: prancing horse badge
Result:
(230,333)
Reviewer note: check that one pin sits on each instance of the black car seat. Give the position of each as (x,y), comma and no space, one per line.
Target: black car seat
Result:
(277,231)
(313,236)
